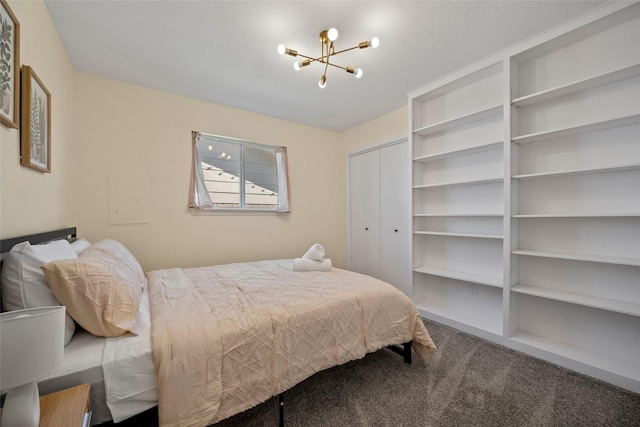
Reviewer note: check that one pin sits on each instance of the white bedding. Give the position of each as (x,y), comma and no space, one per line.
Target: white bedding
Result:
(129,372)
(120,371)
(82,364)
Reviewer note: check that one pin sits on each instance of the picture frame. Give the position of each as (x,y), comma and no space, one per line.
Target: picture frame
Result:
(35,130)
(9,67)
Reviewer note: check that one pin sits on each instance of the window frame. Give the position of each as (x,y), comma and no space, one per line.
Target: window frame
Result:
(199,198)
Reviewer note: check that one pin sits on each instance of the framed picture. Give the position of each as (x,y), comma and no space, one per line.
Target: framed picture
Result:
(9,67)
(35,132)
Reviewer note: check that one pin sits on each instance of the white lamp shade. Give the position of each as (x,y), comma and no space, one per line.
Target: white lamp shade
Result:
(31,345)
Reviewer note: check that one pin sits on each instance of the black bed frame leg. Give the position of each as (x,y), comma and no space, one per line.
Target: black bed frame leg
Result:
(407,352)
(281,405)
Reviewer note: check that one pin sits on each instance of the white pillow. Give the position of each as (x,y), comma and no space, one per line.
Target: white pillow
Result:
(80,245)
(23,282)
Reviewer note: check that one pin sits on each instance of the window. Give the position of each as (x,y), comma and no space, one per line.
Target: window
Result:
(230,173)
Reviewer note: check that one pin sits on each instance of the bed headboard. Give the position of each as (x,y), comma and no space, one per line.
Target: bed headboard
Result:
(48,236)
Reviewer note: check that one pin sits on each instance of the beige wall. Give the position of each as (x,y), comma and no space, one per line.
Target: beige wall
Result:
(126,129)
(31,201)
(389,127)
(102,127)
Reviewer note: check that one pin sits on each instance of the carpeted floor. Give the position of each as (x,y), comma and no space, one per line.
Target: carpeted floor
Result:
(469,382)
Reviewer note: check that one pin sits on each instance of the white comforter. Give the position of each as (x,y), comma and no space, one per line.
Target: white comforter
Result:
(226,338)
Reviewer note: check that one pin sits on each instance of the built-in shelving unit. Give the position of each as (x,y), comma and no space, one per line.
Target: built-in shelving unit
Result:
(526,196)
(458,178)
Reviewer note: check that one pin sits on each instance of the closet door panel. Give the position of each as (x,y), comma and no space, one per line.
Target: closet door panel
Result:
(395,181)
(365,212)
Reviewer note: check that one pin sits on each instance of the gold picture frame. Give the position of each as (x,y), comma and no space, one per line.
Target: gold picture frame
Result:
(35,132)
(9,67)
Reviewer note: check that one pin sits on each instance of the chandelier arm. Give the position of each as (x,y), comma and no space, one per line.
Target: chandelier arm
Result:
(345,50)
(337,66)
(324,50)
(312,59)
(326,65)
(322,61)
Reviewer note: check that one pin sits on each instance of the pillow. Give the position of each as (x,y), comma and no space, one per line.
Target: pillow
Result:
(24,284)
(80,245)
(99,292)
(120,253)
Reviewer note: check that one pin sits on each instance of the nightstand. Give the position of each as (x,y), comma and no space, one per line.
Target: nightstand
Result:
(68,407)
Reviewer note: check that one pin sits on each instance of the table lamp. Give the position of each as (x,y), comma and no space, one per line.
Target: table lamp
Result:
(31,348)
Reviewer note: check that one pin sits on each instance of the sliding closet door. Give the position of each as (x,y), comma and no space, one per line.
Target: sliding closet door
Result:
(365,212)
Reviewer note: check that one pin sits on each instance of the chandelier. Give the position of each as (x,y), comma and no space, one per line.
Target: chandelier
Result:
(327,39)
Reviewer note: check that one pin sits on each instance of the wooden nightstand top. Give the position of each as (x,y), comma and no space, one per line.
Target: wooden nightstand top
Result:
(65,407)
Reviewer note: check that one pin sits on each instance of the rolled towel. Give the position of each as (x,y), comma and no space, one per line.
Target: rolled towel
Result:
(304,264)
(315,252)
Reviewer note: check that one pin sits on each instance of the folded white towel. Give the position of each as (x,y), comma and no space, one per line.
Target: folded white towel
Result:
(304,264)
(315,252)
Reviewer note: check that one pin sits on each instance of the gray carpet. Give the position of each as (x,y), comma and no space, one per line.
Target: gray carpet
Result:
(470,382)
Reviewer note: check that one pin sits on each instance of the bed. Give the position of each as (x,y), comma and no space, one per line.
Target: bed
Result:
(214,341)
(120,369)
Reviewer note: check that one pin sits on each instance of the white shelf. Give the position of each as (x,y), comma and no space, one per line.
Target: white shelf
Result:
(459,152)
(618,168)
(421,95)
(573,87)
(463,322)
(450,234)
(573,298)
(461,215)
(611,364)
(578,215)
(465,182)
(588,127)
(459,275)
(481,328)
(485,113)
(605,259)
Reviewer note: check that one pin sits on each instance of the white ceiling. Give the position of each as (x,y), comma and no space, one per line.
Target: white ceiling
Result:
(226,51)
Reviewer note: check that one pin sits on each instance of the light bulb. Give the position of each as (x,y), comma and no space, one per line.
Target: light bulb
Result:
(323,82)
(298,65)
(282,49)
(355,71)
(374,42)
(332,34)
(210,147)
